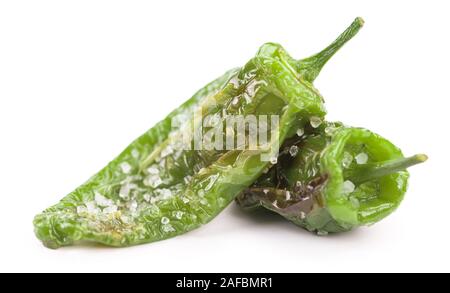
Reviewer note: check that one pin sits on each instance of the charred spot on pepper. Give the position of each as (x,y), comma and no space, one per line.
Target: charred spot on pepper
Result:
(302,198)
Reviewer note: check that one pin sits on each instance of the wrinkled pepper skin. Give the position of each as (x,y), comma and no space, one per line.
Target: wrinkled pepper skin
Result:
(333,179)
(59,225)
(156,190)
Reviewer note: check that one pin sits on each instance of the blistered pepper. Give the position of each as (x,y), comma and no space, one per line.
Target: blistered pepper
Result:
(154,190)
(333,178)
(158,188)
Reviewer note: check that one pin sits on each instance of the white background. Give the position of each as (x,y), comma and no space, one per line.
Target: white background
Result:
(79,80)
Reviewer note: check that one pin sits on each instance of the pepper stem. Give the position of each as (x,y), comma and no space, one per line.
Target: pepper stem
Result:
(310,67)
(364,173)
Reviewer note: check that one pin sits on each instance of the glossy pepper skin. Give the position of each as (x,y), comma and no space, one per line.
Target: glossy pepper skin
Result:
(60,225)
(333,179)
(155,190)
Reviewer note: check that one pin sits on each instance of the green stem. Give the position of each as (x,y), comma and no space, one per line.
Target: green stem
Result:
(310,67)
(364,173)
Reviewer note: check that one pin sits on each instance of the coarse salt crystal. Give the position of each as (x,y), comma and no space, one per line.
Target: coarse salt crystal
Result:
(135,153)
(179,215)
(361,158)
(348,187)
(315,121)
(273,160)
(288,195)
(153,181)
(81,209)
(133,206)
(347,160)
(92,207)
(293,150)
(102,201)
(125,219)
(125,189)
(168,228)
(125,167)
(153,170)
(110,209)
(165,193)
(146,197)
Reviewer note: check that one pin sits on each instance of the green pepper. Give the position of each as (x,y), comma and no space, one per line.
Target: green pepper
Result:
(333,179)
(158,189)
(61,225)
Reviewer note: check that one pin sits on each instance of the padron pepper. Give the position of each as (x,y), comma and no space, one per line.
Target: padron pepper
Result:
(333,179)
(77,216)
(163,185)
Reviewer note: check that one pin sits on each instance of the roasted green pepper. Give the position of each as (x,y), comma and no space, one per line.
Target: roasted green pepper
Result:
(158,189)
(77,216)
(333,179)
(167,182)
